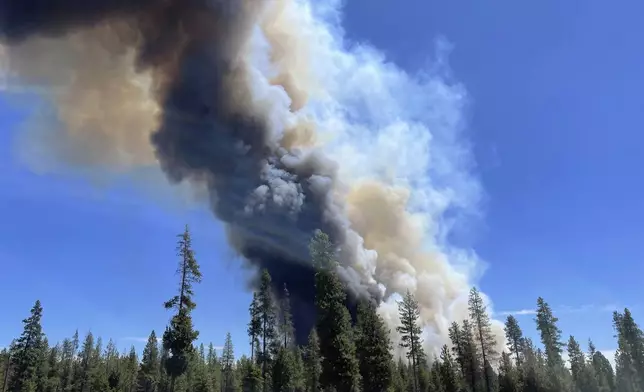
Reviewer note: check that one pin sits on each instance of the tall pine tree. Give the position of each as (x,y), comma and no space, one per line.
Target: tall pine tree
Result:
(483,335)
(514,337)
(410,332)
(339,364)
(180,334)
(373,349)
(254,326)
(268,333)
(27,353)
(229,381)
(551,340)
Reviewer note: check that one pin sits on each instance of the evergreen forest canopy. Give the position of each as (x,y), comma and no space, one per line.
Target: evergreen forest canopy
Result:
(342,354)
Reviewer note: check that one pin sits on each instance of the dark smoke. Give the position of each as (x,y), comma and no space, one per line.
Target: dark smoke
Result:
(271,199)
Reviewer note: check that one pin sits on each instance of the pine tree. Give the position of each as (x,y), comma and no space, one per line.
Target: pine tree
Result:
(312,363)
(284,377)
(86,362)
(129,367)
(251,376)
(471,354)
(533,372)
(435,382)
(27,353)
(66,364)
(164,378)
(254,326)
(112,366)
(98,378)
(458,349)
(582,376)
(227,363)
(373,349)
(447,370)
(199,380)
(551,340)
(214,369)
(286,328)
(514,337)
(602,368)
(483,335)
(626,367)
(42,370)
(5,367)
(633,339)
(268,327)
(180,334)
(339,364)
(410,332)
(148,377)
(53,369)
(399,376)
(508,377)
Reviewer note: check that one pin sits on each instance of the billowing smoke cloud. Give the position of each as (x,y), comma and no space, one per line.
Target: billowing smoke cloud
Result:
(261,102)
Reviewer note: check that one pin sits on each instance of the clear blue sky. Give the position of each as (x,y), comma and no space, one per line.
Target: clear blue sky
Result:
(555,122)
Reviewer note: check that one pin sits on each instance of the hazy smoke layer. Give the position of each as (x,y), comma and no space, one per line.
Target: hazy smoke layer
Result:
(290,131)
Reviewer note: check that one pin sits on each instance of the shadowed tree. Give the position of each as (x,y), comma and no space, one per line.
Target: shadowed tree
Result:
(373,349)
(514,337)
(340,369)
(602,368)
(312,363)
(268,333)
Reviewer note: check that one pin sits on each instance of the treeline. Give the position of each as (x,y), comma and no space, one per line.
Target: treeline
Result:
(342,355)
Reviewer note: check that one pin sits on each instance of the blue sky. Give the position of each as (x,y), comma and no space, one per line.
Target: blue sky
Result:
(554,121)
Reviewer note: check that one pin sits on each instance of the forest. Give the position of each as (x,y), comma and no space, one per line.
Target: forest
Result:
(343,353)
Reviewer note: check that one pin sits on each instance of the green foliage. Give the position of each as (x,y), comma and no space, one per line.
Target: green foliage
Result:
(268,333)
(251,376)
(553,346)
(337,346)
(446,369)
(28,353)
(254,326)
(583,377)
(148,377)
(373,349)
(338,357)
(285,325)
(508,375)
(514,336)
(189,272)
(602,369)
(286,372)
(180,334)
(483,336)
(410,332)
(229,381)
(312,363)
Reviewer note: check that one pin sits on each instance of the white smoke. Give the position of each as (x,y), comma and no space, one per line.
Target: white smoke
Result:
(404,162)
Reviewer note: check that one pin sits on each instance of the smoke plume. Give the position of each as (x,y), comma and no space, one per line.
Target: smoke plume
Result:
(289,129)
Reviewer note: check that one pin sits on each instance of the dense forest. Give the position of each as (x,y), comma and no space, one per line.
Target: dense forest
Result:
(343,353)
